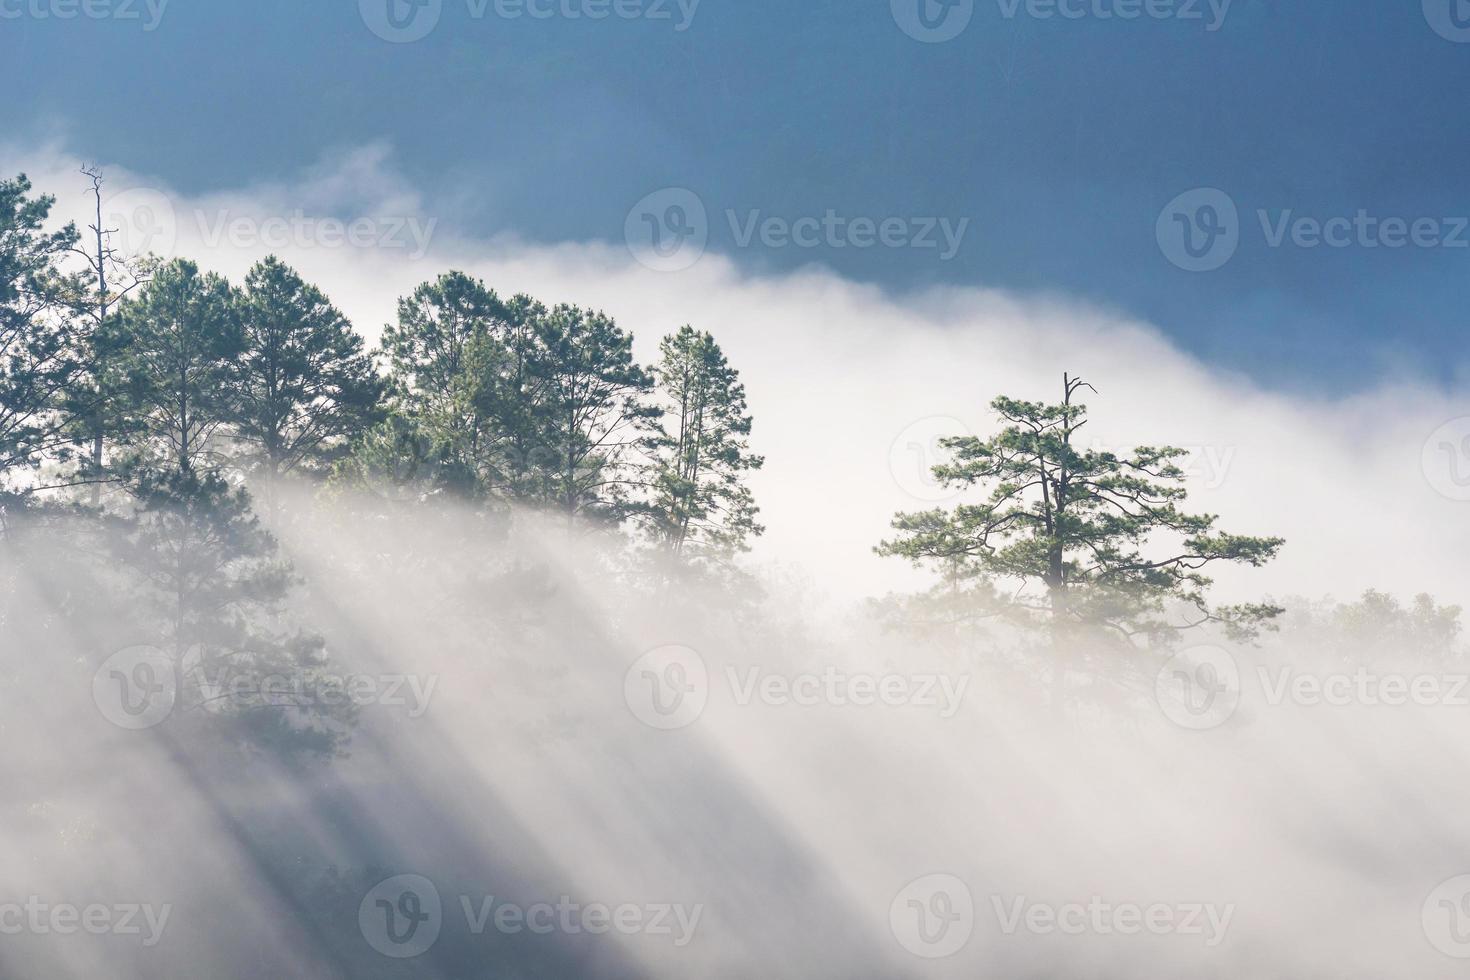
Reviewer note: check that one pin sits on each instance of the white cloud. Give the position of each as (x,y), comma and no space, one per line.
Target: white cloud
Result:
(837,370)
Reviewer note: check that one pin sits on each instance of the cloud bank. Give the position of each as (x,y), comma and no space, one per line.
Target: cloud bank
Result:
(852,386)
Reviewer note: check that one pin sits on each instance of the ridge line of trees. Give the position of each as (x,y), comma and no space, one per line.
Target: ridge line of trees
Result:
(129,367)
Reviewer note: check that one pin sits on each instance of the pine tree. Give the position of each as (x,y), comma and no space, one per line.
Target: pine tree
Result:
(398,461)
(510,393)
(1076,533)
(180,341)
(209,590)
(592,410)
(95,399)
(701,508)
(439,353)
(37,337)
(305,385)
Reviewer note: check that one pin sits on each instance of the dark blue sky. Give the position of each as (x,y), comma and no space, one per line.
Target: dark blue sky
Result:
(1060,139)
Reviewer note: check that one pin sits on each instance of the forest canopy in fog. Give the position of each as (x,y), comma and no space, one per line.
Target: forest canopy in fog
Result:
(345,662)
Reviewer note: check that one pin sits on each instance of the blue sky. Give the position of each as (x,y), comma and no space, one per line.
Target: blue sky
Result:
(1058,141)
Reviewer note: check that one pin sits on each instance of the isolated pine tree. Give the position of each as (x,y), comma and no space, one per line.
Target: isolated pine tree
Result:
(1081,542)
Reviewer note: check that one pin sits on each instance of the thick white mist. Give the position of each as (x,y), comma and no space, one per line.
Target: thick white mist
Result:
(811,837)
(790,824)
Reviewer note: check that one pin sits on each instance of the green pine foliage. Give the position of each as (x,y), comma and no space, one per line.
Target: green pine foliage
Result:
(39,343)
(702,509)
(305,385)
(1080,540)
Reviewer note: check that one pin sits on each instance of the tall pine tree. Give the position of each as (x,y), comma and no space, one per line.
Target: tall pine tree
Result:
(38,340)
(181,341)
(305,385)
(438,354)
(701,508)
(593,410)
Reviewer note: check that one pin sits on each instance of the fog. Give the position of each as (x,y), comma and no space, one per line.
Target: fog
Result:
(540,721)
(851,386)
(553,758)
